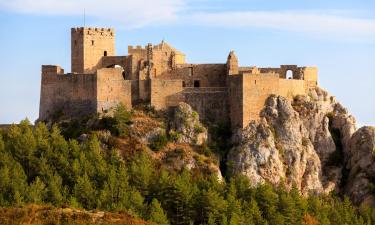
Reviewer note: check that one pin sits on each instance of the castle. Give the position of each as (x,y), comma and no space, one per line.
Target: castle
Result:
(159,75)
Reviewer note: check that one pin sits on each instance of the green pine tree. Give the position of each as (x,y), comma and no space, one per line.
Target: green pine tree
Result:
(156,213)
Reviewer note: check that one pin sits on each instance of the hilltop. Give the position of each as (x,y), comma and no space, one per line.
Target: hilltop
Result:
(303,162)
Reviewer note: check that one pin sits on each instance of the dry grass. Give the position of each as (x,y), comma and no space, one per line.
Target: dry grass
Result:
(43,215)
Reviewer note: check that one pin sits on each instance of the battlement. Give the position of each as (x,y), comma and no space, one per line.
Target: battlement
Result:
(93,31)
(52,69)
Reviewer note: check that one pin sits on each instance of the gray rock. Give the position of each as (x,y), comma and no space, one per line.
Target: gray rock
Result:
(185,127)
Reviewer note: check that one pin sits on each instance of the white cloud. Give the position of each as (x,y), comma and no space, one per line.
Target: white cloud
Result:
(336,24)
(134,13)
(318,24)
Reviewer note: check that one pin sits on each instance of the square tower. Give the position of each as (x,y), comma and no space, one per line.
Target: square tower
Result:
(88,46)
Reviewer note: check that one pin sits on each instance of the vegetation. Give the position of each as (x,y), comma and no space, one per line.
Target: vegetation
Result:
(40,166)
(159,142)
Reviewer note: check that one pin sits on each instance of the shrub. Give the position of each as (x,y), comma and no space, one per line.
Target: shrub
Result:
(198,128)
(159,142)
(118,125)
(174,135)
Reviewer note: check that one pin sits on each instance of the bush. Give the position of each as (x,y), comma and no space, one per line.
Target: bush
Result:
(159,142)
(174,135)
(118,125)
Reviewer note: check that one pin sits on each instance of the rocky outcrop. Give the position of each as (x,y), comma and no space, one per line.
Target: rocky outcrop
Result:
(360,184)
(304,142)
(184,126)
(277,149)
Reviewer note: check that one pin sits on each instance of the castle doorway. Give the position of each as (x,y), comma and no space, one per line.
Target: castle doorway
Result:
(289,74)
(105,53)
(197,83)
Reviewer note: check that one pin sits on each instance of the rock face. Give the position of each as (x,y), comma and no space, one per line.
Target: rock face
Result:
(361,165)
(309,143)
(185,127)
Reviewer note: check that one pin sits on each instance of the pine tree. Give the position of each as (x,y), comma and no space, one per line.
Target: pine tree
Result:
(55,193)
(22,144)
(84,192)
(156,213)
(36,191)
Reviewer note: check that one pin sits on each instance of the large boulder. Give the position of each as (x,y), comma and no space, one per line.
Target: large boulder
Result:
(185,127)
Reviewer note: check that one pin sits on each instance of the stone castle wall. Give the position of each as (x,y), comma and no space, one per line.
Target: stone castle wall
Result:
(68,94)
(112,89)
(161,90)
(208,75)
(81,94)
(211,104)
(248,93)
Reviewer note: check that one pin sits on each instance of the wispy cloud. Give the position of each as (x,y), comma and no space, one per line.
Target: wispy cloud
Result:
(334,24)
(133,13)
(318,24)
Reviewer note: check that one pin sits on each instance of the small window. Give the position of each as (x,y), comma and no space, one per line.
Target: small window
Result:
(255,82)
(197,83)
(183,84)
(105,53)
(92,42)
(75,42)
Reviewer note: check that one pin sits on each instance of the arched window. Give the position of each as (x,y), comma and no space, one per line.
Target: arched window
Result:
(289,74)
(105,53)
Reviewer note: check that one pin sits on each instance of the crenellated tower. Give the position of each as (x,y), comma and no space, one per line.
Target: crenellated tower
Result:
(88,46)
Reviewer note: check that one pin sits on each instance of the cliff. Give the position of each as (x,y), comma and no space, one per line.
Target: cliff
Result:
(310,143)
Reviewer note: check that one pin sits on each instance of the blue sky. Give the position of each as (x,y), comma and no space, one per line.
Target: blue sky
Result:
(338,36)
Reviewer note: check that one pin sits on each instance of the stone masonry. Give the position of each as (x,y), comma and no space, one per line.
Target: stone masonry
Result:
(159,75)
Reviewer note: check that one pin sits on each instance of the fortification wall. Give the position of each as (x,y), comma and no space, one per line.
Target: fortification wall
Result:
(289,88)
(137,51)
(211,104)
(69,94)
(112,89)
(207,75)
(256,89)
(248,93)
(161,90)
(236,100)
(144,90)
(311,77)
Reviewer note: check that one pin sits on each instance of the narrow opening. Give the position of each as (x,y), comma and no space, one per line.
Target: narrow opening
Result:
(255,82)
(105,53)
(289,74)
(197,83)
(75,42)
(183,84)
(123,75)
(92,42)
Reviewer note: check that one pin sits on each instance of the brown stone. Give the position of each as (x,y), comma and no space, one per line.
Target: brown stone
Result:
(158,74)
